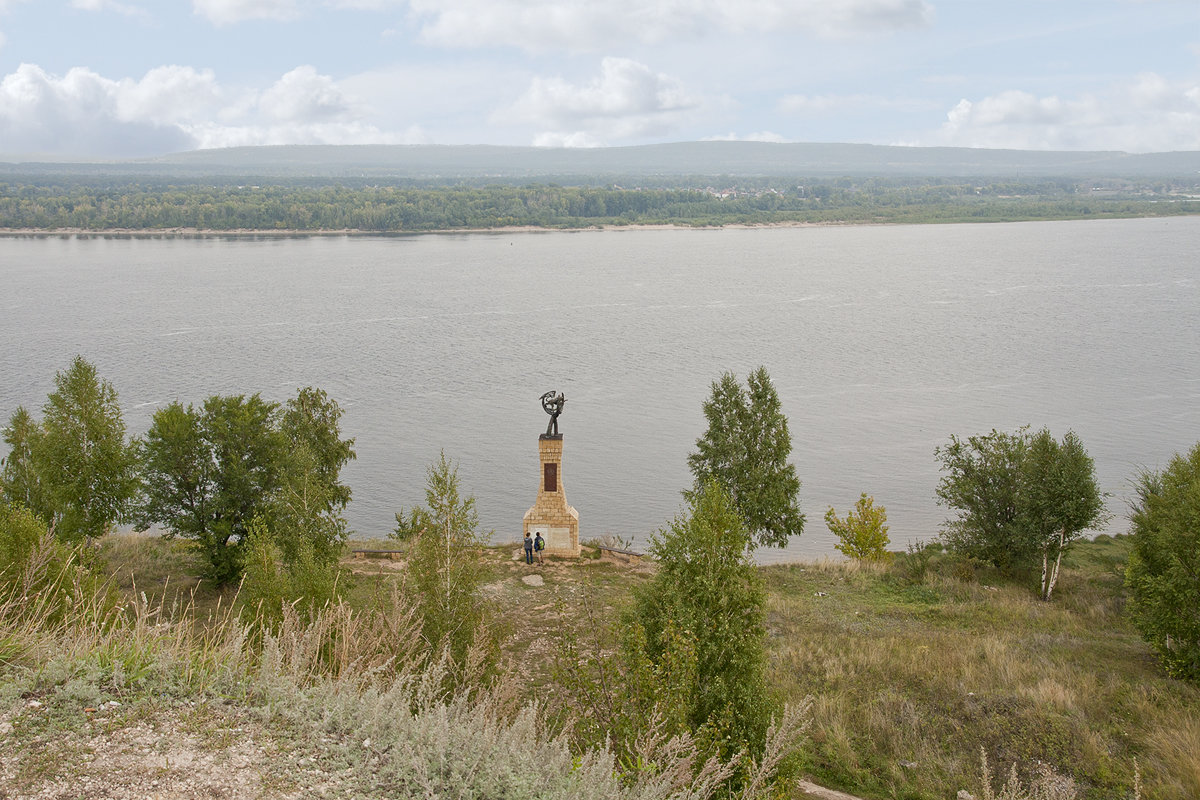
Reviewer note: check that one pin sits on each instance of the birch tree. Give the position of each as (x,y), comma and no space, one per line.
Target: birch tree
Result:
(84,464)
(745,449)
(1060,498)
(1020,497)
(446,570)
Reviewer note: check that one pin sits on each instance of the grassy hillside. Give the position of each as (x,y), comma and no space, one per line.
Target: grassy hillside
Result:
(913,668)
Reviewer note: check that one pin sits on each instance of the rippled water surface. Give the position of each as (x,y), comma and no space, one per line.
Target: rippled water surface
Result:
(882,341)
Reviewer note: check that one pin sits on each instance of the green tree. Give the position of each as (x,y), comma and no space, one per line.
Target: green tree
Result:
(983,483)
(272,579)
(308,519)
(863,533)
(1059,498)
(745,449)
(1163,573)
(447,573)
(705,613)
(206,474)
(1020,496)
(19,480)
(312,421)
(85,465)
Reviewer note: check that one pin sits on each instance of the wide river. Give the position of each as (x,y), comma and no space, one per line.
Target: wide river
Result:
(882,342)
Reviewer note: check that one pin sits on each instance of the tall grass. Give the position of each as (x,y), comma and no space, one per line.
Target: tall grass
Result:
(915,671)
(350,689)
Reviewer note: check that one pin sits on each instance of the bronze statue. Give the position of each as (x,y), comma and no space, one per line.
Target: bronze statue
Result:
(553,404)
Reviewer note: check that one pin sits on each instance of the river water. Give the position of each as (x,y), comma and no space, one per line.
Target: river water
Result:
(882,341)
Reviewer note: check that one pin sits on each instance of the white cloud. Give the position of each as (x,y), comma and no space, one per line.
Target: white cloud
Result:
(225,12)
(811,105)
(175,108)
(626,100)
(75,115)
(586,24)
(760,136)
(1146,114)
(208,136)
(228,12)
(302,95)
(171,95)
(108,5)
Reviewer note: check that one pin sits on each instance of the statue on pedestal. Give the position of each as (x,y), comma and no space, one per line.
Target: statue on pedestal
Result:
(553,404)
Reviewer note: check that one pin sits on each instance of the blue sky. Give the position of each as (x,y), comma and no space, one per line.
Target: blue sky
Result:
(127,78)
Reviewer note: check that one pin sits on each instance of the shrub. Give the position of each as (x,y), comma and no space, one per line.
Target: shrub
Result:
(272,580)
(863,533)
(1163,574)
(704,616)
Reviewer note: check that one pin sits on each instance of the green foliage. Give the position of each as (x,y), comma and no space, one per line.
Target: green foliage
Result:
(272,580)
(745,449)
(1059,498)
(311,422)
(207,473)
(704,621)
(983,482)
(41,579)
(19,479)
(379,204)
(1019,496)
(863,533)
(447,574)
(409,526)
(616,696)
(75,470)
(1163,573)
(307,514)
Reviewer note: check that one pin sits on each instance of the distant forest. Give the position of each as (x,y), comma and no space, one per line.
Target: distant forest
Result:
(96,203)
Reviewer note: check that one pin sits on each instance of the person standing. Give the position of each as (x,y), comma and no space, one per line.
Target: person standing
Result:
(539,544)
(528,548)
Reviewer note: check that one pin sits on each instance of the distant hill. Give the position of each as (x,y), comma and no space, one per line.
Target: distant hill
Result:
(481,163)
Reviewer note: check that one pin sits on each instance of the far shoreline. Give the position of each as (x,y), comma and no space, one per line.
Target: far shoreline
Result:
(200,233)
(295,232)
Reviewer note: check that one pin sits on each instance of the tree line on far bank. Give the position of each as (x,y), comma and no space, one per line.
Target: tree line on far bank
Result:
(292,206)
(255,487)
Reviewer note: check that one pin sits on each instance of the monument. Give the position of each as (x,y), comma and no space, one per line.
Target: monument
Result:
(557,522)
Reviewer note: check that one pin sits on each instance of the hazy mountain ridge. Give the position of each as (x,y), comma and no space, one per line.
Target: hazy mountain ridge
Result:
(715,159)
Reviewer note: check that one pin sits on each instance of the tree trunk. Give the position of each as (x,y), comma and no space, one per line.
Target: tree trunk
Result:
(1062,543)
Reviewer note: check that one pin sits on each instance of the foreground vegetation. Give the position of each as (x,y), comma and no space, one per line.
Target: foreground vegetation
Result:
(63,204)
(913,668)
(696,675)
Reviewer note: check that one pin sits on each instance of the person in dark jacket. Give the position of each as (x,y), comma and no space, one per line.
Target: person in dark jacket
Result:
(528,549)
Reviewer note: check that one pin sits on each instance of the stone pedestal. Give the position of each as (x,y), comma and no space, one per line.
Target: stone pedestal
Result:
(551,516)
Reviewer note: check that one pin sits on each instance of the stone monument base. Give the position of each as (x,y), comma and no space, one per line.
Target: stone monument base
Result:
(551,516)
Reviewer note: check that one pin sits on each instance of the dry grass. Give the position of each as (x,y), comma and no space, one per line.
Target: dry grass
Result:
(909,678)
(913,679)
(109,700)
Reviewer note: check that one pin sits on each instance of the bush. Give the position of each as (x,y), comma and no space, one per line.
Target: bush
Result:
(271,580)
(41,579)
(1019,496)
(704,619)
(1163,574)
(863,533)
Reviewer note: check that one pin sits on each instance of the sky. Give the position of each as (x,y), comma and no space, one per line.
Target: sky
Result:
(111,79)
